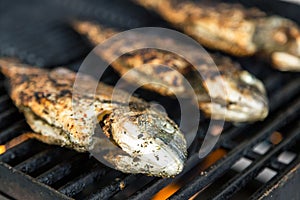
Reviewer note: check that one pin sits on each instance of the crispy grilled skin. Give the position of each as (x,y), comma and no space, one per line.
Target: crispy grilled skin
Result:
(245,101)
(45,98)
(141,139)
(220,26)
(234,29)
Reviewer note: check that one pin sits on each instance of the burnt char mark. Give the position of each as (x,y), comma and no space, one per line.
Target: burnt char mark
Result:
(38,96)
(132,105)
(138,107)
(23,78)
(45,111)
(106,101)
(55,83)
(65,93)
(149,58)
(105,124)
(24,97)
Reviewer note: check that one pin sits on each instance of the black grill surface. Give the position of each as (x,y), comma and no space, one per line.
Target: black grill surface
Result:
(36,32)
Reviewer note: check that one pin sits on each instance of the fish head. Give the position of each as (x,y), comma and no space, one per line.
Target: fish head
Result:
(280,38)
(286,54)
(153,143)
(236,96)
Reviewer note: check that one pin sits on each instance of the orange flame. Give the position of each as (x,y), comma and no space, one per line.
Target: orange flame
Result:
(2,149)
(170,189)
(16,141)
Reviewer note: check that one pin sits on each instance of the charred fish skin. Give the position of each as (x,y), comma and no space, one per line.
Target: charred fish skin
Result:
(156,148)
(217,27)
(282,46)
(246,98)
(234,29)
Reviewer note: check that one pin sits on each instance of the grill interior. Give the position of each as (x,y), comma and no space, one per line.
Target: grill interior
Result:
(249,161)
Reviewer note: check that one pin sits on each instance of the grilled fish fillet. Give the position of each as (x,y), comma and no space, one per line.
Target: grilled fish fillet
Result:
(234,29)
(145,140)
(245,99)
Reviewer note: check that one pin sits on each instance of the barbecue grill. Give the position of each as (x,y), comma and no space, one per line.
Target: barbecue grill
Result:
(254,161)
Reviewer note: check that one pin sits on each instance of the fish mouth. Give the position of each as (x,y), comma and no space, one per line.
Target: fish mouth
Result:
(279,39)
(238,98)
(237,112)
(253,100)
(153,144)
(285,61)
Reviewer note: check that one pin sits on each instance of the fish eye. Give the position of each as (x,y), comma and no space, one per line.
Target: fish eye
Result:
(247,78)
(167,127)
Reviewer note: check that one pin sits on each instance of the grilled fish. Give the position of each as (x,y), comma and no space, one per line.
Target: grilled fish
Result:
(145,139)
(244,101)
(234,29)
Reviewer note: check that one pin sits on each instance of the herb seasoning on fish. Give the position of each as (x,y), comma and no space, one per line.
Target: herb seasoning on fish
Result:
(246,98)
(151,143)
(234,29)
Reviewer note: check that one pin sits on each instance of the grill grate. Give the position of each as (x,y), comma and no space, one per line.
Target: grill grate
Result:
(33,170)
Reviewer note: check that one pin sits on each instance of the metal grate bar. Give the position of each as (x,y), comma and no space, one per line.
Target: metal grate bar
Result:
(61,170)
(150,190)
(272,82)
(283,176)
(241,180)
(108,13)
(20,33)
(280,97)
(39,160)
(77,185)
(224,164)
(37,50)
(113,188)
(13,131)
(22,151)
(160,183)
(9,116)
(75,174)
(4,100)
(55,32)
(20,186)
(2,85)
(133,188)
(284,94)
